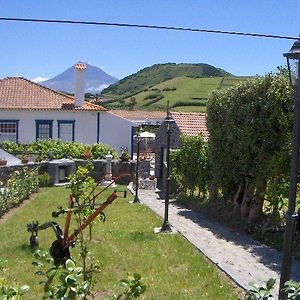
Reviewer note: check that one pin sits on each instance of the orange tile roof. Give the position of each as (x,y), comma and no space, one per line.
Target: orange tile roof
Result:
(21,93)
(191,124)
(135,115)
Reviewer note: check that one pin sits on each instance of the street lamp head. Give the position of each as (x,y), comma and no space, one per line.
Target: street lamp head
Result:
(169,121)
(293,58)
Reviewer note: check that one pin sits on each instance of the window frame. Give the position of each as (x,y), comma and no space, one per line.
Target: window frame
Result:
(43,122)
(72,122)
(17,126)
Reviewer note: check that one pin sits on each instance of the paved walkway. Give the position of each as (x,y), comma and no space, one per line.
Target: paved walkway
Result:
(243,259)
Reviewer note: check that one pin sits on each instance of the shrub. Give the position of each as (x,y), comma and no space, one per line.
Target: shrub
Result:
(191,168)
(44,180)
(190,103)
(19,186)
(57,149)
(169,89)
(153,95)
(153,101)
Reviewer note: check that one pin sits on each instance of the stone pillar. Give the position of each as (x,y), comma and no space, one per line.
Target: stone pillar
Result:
(108,174)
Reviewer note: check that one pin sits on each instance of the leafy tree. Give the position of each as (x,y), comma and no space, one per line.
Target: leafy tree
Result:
(132,103)
(249,127)
(191,164)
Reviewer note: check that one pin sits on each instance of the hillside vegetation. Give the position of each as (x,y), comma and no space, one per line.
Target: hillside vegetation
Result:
(185,86)
(155,74)
(183,94)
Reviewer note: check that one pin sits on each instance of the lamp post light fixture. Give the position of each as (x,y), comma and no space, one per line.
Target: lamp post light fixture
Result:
(136,197)
(169,121)
(293,60)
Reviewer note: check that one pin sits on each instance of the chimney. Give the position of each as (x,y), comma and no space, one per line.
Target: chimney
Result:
(79,83)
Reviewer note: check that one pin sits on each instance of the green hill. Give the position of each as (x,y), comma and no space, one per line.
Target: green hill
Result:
(183,94)
(156,74)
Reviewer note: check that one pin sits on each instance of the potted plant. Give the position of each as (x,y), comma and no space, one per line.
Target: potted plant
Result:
(24,159)
(3,161)
(124,154)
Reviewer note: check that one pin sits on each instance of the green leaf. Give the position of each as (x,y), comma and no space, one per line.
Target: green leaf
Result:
(71,281)
(70,265)
(51,273)
(270,283)
(24,289)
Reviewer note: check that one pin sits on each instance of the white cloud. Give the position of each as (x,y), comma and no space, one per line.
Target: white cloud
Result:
(39,79)
(92,89)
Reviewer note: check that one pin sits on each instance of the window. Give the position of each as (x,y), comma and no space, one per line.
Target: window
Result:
(66,130)
(43,129)
(9,130)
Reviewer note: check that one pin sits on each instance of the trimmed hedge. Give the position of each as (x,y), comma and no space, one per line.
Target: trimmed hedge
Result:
(19,187)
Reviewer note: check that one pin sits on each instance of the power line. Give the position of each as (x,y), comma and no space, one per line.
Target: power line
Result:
(152,27)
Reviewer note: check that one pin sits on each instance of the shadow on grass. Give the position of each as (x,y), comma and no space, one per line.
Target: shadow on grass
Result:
(26,248)
(139,236)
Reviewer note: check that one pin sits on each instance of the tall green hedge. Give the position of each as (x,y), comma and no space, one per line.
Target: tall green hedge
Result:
(250,129)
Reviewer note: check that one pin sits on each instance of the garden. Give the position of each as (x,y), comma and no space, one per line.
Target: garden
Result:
(121,258)
(240,177)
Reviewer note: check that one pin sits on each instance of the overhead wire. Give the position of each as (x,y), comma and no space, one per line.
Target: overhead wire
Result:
(260,35)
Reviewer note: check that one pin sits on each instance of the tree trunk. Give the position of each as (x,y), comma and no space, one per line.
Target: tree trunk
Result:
(238,198)
(213,192)
(256,205)
(248,195)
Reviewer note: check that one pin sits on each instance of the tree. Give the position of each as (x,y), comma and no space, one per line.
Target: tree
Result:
(132,103)
(250,126)
(191,164)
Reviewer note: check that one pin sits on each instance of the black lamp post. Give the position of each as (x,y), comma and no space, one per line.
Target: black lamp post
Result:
(293,60)
(169,121)
(136,197)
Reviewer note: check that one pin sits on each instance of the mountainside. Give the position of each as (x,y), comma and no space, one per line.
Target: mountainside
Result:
(155,74)
(182,93)
(95,80)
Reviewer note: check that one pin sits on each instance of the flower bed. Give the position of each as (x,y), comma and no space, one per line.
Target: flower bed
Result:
(21,184)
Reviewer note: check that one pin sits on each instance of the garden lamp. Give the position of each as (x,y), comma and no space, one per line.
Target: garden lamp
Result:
(138,141)
(293,58)
(169,122)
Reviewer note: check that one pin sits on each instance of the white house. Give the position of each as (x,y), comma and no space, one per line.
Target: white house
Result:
(29,111)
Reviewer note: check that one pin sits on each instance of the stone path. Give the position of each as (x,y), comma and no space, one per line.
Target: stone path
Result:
(241,258)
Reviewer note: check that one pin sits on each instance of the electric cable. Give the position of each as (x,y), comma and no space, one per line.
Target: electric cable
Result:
(260,35)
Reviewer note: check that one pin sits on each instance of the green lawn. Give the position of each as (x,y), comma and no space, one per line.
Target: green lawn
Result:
(125,243)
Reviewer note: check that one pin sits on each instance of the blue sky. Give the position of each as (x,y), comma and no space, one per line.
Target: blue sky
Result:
(44,50)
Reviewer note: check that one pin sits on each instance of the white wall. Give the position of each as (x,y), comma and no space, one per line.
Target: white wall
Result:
(85,123)
(115,131)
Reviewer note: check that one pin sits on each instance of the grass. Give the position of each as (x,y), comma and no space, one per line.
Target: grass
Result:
(171,267)
(185,89)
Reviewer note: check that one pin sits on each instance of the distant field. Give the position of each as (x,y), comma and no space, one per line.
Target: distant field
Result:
(189,109)
(192,91)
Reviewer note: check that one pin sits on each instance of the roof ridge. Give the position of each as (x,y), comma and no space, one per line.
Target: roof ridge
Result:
(39,85)
(63,98)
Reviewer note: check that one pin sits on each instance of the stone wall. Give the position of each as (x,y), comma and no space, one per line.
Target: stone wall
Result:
(6,171)
(98,173)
